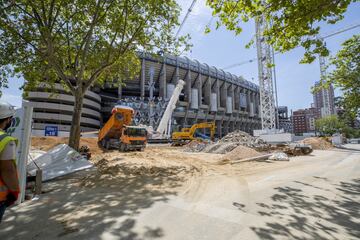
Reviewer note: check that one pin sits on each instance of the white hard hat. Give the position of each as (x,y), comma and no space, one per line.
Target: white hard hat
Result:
(6,110)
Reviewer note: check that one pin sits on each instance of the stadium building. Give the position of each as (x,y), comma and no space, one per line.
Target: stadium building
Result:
(210,94)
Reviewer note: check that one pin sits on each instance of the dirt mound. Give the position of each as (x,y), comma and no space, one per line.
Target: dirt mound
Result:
(46,143)
(317,143)
(240,152)
(137,170)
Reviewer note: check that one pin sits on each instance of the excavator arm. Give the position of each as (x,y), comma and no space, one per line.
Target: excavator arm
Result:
(187,134)
(209,125)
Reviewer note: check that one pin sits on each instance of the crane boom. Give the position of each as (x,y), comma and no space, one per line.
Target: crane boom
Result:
(164,122)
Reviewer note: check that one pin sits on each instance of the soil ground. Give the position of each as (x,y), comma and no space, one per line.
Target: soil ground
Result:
(166,193)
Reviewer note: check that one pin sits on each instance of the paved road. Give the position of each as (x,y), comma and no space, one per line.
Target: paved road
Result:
(313,197)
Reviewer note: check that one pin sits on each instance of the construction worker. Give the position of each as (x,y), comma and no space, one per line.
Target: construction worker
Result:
(9,182)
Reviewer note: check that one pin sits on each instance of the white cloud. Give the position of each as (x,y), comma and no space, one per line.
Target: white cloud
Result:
(15,100)
(198,17)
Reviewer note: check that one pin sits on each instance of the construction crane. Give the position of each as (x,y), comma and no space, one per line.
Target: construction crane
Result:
(265,59)
(185,18)
(345,29)
(325,110)
(165,122)
(265,62)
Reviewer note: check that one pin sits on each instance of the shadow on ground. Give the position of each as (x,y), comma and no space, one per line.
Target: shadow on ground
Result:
(314,216)
(102,206)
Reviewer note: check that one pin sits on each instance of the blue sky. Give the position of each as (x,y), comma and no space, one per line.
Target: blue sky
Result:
(221,48)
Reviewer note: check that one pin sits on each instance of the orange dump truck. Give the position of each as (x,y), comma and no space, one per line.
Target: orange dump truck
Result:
(117,132)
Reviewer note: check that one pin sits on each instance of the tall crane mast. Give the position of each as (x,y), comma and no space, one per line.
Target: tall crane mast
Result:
(325,109)
(265,63)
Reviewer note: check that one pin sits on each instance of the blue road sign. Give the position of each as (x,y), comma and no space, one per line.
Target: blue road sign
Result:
(51,131)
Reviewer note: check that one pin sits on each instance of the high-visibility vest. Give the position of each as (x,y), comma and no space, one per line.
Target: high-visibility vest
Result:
(4,140)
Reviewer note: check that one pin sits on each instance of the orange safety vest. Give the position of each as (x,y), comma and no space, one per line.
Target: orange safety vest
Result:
(4,140)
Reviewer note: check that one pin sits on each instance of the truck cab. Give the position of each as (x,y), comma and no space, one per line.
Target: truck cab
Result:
(118,133)
(133,138)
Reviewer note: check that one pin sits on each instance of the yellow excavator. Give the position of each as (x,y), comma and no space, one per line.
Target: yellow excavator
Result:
(188,134)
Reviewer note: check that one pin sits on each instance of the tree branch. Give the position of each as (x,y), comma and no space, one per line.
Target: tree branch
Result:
(43,9)
(86,41)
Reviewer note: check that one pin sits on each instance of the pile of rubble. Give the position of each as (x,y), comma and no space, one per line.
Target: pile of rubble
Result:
(196,146)
(244,139)
(229,143)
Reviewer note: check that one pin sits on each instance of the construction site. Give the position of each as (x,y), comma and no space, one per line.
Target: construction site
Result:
(183,150)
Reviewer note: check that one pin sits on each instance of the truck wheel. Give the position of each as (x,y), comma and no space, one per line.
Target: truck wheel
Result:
(122,147)
(103,143)
(107,145)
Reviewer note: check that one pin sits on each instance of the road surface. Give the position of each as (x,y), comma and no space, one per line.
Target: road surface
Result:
(309,197)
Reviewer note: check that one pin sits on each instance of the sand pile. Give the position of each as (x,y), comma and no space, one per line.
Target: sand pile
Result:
(317,143)
(105,167)
(46,143)
(240,152)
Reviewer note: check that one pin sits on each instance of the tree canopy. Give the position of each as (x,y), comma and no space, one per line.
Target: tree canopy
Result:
(289,23)
(346,75)
(329,125)
(82,42)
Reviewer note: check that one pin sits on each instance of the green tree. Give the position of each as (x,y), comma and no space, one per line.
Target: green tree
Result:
(289,23)
(329,125)
(344,113)
(80,43)
(346,76)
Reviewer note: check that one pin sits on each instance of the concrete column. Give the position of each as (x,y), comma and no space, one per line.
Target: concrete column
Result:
(188,86)
(252,100)
(237,98)
(219,128)
(232,89)
(217,91)
(247,92)
(207,93)
(199,87)
(232,126)
(241,90)
(223,94)
(162,79)
(258,104)
(142,80)
(120,91)
(226,127)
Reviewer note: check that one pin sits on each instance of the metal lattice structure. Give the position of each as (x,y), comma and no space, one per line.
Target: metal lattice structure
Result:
(147,111)
(265,62)
(325,110)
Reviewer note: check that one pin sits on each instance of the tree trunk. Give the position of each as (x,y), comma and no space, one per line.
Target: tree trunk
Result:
(74,139)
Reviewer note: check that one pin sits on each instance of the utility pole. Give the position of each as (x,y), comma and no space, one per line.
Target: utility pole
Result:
(265,64)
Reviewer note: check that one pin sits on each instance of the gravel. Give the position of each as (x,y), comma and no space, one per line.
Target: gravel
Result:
(229,143)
